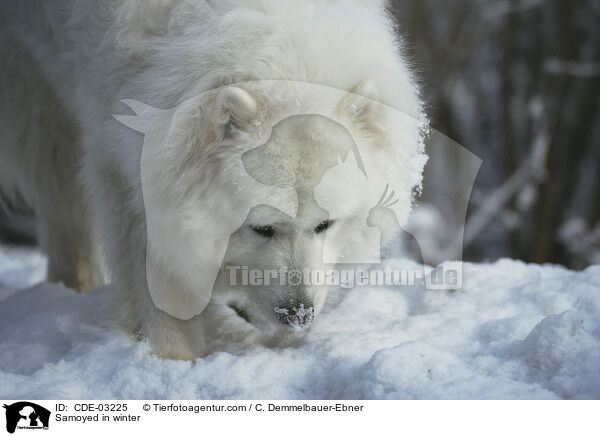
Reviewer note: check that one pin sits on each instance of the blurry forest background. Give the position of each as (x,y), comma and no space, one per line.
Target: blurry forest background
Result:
(517,82)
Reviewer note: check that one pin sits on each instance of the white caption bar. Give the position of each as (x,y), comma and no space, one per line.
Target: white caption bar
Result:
(265,417)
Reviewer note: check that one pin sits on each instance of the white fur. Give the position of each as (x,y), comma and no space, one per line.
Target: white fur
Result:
(73,61)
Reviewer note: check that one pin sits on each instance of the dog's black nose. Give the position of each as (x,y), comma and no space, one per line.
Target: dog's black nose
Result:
(298,316)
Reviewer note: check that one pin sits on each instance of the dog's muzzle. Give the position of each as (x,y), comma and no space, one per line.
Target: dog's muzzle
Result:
(298,314)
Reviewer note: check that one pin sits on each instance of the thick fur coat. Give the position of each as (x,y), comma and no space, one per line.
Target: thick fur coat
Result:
(235,75)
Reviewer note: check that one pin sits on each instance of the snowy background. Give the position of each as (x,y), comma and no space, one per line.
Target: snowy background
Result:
(513,331)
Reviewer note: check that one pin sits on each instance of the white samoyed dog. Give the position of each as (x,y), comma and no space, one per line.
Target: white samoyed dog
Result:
(169,147)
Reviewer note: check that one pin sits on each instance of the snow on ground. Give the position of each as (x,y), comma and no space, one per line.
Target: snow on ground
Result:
(512,331)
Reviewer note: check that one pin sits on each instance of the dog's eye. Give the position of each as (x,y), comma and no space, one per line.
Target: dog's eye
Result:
(265,231)
(324,226)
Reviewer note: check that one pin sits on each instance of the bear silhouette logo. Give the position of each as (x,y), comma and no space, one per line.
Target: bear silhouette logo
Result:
(26,415)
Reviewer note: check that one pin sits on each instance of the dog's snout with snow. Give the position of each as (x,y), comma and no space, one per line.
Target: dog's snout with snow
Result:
(297,312)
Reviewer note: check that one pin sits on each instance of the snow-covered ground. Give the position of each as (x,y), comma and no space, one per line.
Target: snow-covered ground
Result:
(513,331)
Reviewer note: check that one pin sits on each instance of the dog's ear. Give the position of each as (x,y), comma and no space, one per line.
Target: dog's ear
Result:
(236,109)
(361,105)
(231,109)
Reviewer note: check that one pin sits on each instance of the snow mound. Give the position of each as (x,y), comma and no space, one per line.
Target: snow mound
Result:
(512,331)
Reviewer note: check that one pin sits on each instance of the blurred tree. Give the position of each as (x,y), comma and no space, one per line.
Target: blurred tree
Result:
(517,82)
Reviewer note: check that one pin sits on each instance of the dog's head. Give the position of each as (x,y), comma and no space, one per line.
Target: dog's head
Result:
(252,186)
(276,259)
